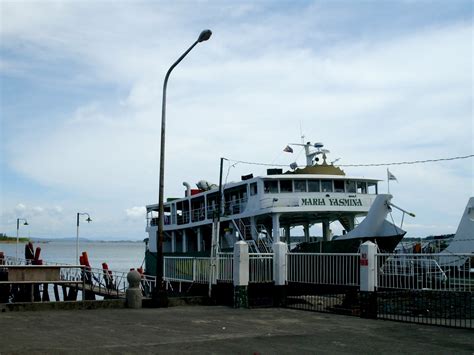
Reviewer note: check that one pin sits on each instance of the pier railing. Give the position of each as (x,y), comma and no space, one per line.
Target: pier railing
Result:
(260,267)
(393,271)
(102,282)
(437,272)
(443,272)
(323,268)
(225,269)
(198,269)
(11,260)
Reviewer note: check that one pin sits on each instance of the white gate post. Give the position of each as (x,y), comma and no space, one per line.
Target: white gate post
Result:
(279,263)
(280,250)
(368,267)
(241,274)
(368,280)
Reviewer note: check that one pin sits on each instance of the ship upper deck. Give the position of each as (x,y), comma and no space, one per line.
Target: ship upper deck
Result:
(298,194)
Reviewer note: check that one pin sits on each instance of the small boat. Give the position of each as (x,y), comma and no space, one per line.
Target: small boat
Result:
(463,241)
(424,263)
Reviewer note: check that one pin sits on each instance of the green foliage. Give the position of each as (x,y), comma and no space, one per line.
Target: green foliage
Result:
(5,238)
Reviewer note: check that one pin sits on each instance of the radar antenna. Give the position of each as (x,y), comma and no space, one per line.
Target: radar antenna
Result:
(312,156)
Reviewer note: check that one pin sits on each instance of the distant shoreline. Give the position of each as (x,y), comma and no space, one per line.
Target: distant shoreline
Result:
(10,240)
(45,241)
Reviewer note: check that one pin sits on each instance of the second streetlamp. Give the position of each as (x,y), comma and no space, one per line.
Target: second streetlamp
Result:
(88,220)
(17,233)
(160,292)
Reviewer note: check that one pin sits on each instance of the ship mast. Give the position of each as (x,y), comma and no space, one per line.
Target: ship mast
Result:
(311,156)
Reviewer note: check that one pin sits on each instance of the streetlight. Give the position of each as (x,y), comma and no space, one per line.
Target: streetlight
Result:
(88,220)
(160,293)
(17,232)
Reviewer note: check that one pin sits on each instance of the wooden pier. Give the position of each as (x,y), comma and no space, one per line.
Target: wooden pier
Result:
(33,283)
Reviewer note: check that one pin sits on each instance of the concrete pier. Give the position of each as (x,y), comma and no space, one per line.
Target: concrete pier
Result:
(220,330)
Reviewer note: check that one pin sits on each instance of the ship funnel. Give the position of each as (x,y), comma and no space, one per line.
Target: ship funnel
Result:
(188,188)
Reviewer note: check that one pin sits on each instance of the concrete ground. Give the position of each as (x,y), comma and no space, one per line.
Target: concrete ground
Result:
(220,330)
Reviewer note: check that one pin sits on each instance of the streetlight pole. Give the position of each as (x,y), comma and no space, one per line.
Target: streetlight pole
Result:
(160,293)
(88,220)
(17,233)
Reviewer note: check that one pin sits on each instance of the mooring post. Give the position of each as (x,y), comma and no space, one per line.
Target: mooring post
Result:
(368,280)
(241,274)
(134,294)
(279,273)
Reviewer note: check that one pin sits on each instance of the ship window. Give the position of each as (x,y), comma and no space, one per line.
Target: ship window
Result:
(253,189)
(372,188)
(300,185)
(313,186)
(271,186)
(350,186)
(338,185)
(286,185)
(326,185)
(197,209)
(361,187)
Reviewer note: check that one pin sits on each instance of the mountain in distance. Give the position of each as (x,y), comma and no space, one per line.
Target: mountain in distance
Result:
(65,239)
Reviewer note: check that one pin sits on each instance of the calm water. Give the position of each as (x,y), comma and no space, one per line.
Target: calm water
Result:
(120,256)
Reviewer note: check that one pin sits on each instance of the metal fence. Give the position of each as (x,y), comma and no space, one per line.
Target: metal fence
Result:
(439,272)
(225,267)
(323,269)
(98,281)
(434,289)
(11,260)
(101,282)
(179,268)
(197,269)
(260,267)
(434,307)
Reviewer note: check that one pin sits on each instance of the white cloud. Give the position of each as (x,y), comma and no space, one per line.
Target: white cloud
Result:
(20,208)
(240,95)
(136,212)
(26,211)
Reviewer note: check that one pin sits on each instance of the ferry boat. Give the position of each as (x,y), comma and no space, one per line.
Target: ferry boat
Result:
(263,209)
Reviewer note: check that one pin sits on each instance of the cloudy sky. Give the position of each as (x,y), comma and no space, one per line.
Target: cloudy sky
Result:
(81,81)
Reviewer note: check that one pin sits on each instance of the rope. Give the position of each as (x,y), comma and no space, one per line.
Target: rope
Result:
(412,162)
(363,165)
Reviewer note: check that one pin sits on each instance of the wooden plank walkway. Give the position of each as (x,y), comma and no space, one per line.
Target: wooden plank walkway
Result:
(97,290)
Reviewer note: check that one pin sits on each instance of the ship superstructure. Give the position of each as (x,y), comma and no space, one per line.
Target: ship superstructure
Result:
(263,209)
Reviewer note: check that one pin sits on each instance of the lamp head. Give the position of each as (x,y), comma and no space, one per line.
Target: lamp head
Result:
(26,223)
(88,220)
(205,35)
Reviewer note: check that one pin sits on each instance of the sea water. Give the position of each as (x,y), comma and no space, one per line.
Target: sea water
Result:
(119,256)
